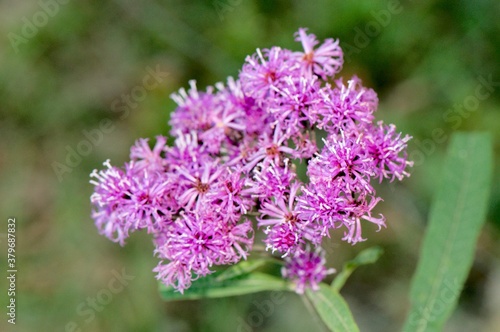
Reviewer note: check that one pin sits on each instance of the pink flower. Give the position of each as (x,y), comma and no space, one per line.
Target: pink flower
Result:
(345,162)
(284,229)
(271,149)
(193,112)
(388,150)
(197,241)
(295,102)
(128,200)
(197,181)
(146,159)
(346,107)
(235,153)
(324,61)
(306,268)
(264,71)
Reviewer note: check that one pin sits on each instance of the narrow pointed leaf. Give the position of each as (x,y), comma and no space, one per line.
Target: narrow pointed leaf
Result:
(332,309)
(457,215)
(238,279)
(367,256)
(241,268)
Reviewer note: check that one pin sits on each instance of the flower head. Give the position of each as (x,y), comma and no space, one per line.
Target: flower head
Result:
(266,70)
(306,268)
(324,61)
(344,162)
(285,230)
(234,162)
(388,151)
(197,241)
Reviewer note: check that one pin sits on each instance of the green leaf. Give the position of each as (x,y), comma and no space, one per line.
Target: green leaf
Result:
(238,279)
(367,256)
(241,268)
(456,217)
(332,309)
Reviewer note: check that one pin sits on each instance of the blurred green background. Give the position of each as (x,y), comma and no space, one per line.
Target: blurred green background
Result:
(67,65)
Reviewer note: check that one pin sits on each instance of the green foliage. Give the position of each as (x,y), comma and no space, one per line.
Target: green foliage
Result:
(367,256)
(332,309)
(238,279)
(457,215)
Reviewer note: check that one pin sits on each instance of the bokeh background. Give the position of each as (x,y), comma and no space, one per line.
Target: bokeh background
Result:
(64,75)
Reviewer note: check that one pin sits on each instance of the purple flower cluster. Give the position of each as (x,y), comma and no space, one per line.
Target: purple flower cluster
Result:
(234,156)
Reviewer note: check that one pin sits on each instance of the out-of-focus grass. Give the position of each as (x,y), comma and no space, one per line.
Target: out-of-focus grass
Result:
(66,78)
